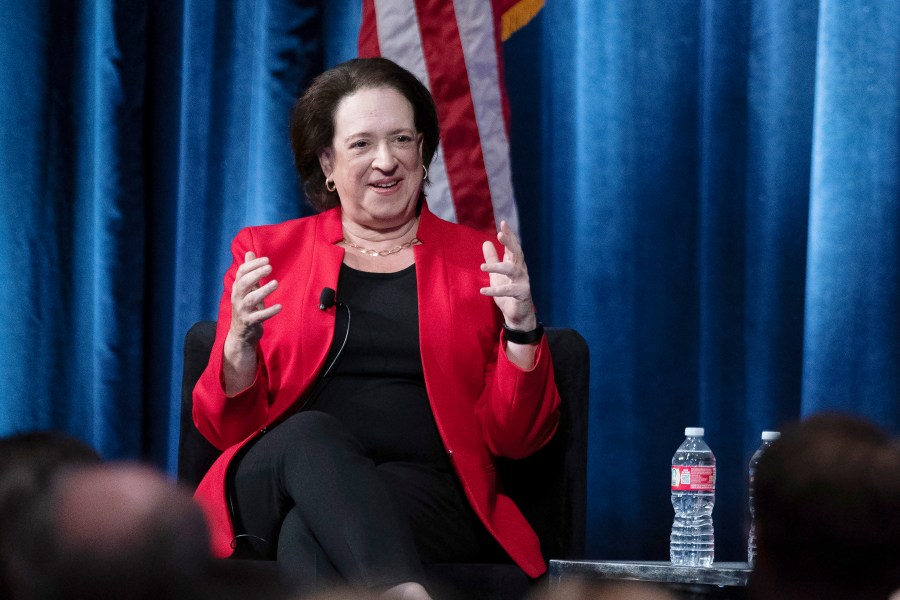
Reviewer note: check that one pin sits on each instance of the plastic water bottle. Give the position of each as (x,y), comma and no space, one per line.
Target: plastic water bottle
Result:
(767,438)
(693,495)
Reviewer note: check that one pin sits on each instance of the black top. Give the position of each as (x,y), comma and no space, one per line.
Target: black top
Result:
(377,387)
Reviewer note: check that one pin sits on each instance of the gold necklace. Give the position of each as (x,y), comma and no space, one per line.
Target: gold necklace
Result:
(393,250)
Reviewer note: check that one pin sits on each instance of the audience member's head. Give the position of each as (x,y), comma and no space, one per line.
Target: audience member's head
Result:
(603,590)
(125,531)
(828,512)
(28,465)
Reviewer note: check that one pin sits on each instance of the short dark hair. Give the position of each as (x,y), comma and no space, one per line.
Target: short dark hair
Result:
(312,118)
(827,497)
(29,465)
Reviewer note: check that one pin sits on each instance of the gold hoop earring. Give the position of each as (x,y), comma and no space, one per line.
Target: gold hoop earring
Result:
(426,171)
(333,186)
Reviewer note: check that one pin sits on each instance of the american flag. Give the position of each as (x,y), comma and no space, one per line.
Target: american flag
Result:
(454,48)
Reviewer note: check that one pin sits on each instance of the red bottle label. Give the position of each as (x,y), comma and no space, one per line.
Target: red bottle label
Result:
(693,479)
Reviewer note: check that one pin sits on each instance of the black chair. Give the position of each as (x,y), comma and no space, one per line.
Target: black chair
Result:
(549,487)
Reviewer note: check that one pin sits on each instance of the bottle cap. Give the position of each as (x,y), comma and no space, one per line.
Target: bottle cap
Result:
(768,436)
(693,431)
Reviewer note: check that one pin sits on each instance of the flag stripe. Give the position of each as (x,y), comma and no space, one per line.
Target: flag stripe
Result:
(368,31)
(478,34)
(462,146)
(455,49)
(399,39)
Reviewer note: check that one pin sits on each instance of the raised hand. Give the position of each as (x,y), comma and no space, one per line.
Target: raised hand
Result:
(248,312)
(509,283)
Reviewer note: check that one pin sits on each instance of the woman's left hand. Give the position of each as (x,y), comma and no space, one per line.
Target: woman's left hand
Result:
(510,286)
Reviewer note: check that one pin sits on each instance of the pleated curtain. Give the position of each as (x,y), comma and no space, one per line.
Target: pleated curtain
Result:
(708,191)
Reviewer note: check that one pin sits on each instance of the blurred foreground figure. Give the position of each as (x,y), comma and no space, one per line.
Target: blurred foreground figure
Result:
(29,463)
(124,531)
(828,512)
(604,590)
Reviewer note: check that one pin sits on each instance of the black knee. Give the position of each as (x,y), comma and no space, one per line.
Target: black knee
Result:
(312,427)
(316,444)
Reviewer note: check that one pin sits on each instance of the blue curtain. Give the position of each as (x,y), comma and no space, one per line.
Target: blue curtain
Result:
(136,139)
(708,192)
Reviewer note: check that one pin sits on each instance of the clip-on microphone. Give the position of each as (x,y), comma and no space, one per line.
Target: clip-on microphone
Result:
(326,298)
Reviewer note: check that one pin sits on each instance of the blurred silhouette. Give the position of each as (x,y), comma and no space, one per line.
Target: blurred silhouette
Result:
(29,463)
(603,590)
(828,512)
(125,532)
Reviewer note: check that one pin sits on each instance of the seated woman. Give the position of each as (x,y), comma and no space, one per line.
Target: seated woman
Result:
(401,355)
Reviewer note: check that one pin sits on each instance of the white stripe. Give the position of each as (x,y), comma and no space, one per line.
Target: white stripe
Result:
(476,30)
(400,40)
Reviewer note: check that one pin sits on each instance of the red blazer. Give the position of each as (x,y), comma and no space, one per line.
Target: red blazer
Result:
(484,405)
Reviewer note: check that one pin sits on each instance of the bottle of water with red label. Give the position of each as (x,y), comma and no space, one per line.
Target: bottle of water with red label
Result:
(693,495)
(768,437)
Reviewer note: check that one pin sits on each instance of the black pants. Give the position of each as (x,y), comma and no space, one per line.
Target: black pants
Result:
(307,495)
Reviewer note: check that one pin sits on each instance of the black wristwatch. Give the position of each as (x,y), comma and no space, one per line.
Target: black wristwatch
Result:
(517,336)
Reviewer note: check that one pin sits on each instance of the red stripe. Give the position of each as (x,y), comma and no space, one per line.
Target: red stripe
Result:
(461,143)
(368,31)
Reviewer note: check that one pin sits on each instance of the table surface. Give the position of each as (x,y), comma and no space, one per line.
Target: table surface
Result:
(719,574)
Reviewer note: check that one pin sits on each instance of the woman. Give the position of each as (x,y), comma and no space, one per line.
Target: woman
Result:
(359,436)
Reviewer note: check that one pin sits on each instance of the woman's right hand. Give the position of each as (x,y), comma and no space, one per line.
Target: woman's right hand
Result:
(248,312)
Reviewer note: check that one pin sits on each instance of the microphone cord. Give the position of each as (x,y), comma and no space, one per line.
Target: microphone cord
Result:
(343,344)
(323,380)
(317,389)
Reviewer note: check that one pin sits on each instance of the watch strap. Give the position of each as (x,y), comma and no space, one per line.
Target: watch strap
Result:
(517,336)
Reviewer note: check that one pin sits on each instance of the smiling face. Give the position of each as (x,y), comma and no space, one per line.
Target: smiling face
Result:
(375,159)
